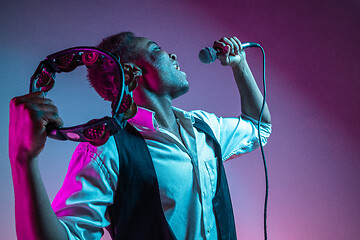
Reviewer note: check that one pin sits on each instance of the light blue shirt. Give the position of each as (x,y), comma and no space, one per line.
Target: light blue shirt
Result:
(185,168)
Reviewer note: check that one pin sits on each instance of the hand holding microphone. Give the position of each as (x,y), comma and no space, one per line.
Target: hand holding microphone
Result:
(227,50)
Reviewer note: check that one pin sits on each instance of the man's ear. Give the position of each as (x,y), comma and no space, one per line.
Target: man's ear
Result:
(131,72)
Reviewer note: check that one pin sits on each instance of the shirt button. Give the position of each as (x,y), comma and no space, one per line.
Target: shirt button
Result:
(208,229)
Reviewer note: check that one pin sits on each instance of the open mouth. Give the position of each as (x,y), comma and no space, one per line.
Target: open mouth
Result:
(176,66)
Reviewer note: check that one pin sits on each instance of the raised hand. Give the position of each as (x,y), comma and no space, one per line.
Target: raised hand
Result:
(29,115)
(231,53)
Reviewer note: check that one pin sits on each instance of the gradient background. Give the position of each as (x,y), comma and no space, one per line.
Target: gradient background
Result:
(313,79)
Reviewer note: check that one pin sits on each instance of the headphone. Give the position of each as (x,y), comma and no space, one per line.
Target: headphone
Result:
(104,65)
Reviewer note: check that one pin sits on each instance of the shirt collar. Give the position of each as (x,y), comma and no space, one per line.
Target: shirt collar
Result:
(181,114)
(145,118)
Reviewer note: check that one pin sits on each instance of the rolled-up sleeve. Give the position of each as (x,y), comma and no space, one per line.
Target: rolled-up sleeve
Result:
(88,190)
(236,135)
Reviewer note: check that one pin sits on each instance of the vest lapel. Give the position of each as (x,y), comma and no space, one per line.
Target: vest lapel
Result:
(222,201)
(137,212)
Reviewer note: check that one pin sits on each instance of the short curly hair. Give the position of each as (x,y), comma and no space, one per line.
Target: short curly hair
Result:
(121,45)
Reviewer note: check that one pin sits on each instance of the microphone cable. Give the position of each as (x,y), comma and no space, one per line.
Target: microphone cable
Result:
(261,145)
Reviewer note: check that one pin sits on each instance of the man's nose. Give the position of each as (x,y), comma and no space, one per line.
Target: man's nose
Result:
(173,56)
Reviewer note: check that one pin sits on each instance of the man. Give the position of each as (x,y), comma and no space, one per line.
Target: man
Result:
(182,156)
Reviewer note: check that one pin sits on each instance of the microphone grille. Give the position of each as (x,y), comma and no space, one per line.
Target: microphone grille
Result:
(207,55)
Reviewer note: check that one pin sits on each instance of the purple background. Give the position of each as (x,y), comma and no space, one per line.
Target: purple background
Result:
(313,79)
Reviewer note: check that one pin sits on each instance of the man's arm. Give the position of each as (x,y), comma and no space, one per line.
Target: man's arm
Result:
(251,97)
(35,218)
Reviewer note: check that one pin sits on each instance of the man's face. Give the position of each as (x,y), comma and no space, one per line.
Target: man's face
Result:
(161,71)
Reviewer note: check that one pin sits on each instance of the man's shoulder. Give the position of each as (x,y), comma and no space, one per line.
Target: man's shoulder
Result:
(201,114)
(209,118)
(102,152)
(104,159)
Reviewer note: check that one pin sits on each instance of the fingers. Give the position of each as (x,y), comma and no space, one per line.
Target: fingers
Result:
(40,109)
(28,97)
(33,95)
(231,53)
(231,46)
(238,42)
(48,114)
(29,116)
(220,45)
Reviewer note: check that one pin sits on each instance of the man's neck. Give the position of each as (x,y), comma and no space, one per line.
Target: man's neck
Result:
(164,115)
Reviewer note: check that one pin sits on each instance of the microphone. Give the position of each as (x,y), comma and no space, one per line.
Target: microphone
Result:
(209,55)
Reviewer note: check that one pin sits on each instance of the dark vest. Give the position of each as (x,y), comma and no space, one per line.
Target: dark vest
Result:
(137,212)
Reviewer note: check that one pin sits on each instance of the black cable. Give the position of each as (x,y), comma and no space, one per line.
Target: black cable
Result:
(262,148)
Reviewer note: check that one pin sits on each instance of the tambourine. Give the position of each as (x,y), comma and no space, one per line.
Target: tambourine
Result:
(104,65)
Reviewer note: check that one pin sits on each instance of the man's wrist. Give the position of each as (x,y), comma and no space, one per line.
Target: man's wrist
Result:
(241,66)
(22,161)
